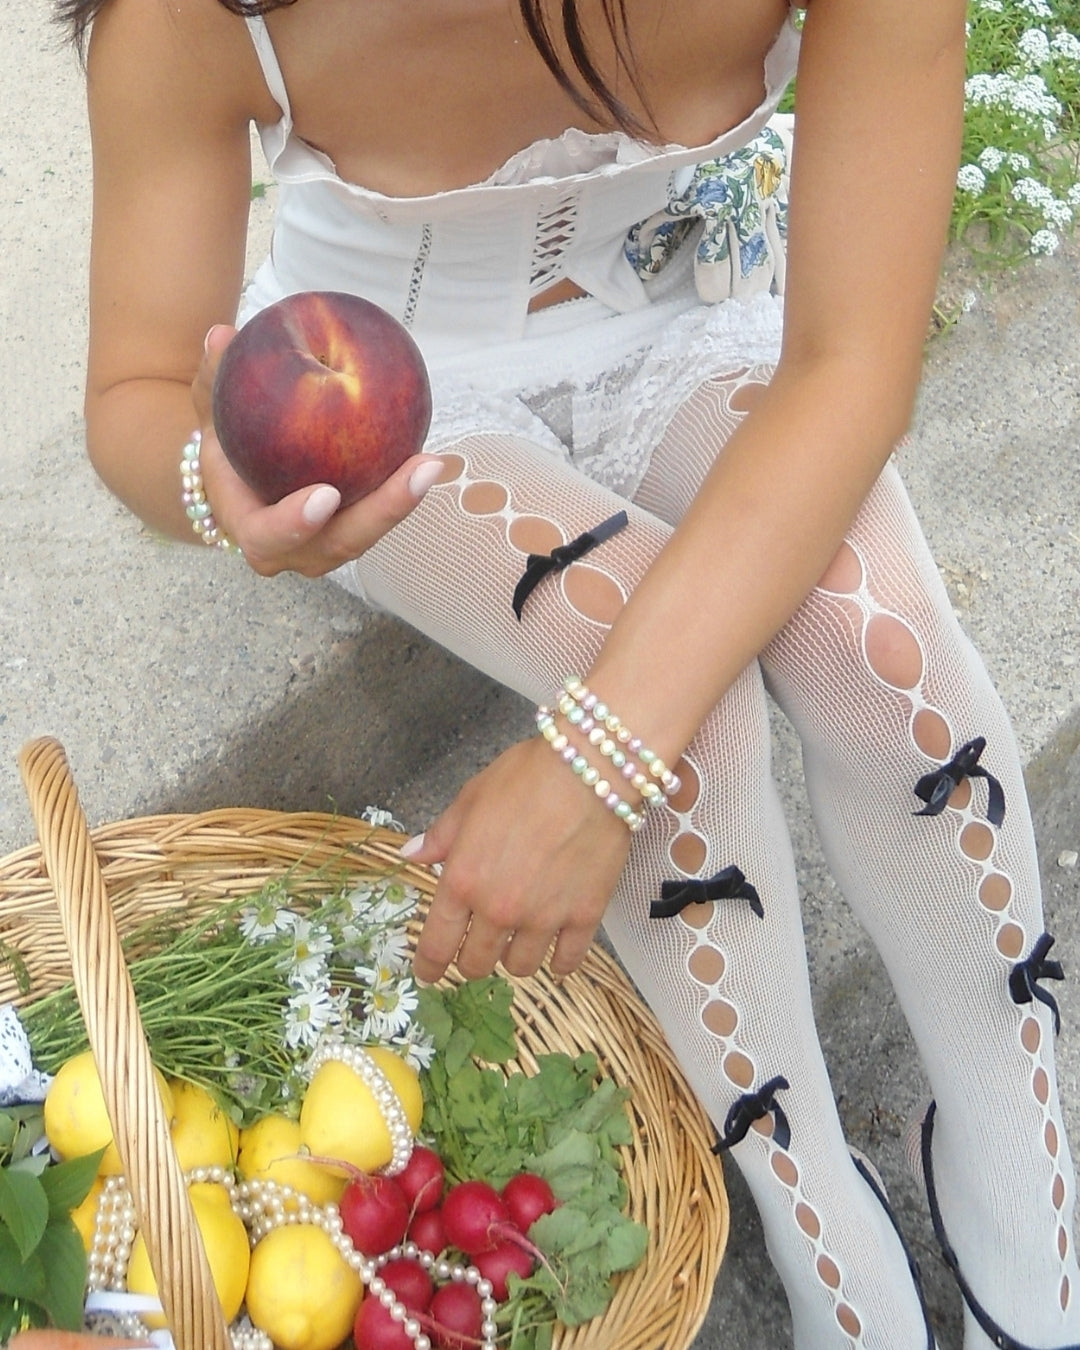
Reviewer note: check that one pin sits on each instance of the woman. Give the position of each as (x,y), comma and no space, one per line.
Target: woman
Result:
(582,221)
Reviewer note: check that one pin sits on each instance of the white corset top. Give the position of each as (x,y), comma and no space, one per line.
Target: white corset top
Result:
(460,267)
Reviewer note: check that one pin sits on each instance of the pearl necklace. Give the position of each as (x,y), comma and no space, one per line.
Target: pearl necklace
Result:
(386,1099)
(263,1206)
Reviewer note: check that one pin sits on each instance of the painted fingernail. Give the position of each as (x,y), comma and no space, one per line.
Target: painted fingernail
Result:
(321,505)
(412,846)
(209,334)
(424,476)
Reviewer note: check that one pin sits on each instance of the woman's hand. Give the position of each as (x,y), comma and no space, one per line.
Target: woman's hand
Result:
(304,532)
(529,857)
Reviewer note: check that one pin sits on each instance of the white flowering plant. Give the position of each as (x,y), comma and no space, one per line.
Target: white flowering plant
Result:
(237,998)
(1018,188)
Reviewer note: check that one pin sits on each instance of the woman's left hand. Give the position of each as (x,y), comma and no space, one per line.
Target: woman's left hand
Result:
(529,858)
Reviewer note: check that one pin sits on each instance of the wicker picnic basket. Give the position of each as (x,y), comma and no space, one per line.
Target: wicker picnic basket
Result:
(64,906)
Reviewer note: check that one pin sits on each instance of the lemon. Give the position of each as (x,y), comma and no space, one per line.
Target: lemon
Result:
(76,1120)
(202,1134)
(301,1290)
(339,1117)
(227,1249)
(268,1151)
(84,1215)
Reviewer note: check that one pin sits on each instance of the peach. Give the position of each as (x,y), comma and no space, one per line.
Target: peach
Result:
(321,387)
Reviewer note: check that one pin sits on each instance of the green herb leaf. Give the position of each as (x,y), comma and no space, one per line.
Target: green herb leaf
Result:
(64,1258)
(19,1278)
(67,1184)
(24,1209)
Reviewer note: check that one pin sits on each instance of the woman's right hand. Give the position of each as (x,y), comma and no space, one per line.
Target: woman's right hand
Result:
(305,532)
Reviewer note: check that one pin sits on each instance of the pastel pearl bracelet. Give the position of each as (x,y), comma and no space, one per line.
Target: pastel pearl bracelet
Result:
(193,497)
(581,708)
(589,774)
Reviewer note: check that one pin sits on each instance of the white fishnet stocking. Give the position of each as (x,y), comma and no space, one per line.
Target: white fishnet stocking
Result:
(881,686)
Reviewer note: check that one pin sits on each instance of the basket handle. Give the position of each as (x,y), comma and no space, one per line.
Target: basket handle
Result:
(107,999)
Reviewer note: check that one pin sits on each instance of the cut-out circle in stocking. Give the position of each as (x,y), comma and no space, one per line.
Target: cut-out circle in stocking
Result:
(977,841)
(931,734)
(1030,1035)
(745,396)
(807,1220)
(720,1017)
(738,1068)
(847,1318)
(453,466)
(688,852)
(1064,1292)
(484,499)
(844,575)
(1010,941)
(785,1169)
(893,651)
(534,534)
(1040,1085)
(995,891)
(707,965)
(1062,1243)
(1050,1135)
(592,593)
(828,1271)
(1057,1195)
(689,787)
(696,915)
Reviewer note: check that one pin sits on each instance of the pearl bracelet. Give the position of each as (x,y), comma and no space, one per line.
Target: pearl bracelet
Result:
(193,497)
(588,773)
(583,709)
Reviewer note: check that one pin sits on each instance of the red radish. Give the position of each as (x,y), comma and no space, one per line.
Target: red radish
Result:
(458,1316)
(527,1197)
(476,1220)
(474,1216)
(374,1214)
(409,1281)
(375,1329)
(422,1179)
(497,1264)
(428,1231)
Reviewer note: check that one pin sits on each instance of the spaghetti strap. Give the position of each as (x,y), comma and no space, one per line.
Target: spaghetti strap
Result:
(271,69)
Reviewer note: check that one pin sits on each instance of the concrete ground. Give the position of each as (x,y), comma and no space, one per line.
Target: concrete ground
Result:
(179,681)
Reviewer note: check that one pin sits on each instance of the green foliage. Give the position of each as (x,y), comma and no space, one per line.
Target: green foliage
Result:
(563,1122)
(42,1262)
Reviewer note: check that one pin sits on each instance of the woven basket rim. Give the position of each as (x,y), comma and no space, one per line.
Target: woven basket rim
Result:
(675,1181)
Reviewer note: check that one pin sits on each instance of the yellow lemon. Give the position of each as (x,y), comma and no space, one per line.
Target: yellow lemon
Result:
(301,1290)
(202,1134)
(340,1118)
(269,1150)
(84,1215)
(76,1121)
(227,1250)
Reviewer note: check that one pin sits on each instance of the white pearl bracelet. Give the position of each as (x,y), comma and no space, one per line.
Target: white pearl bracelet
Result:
(193,496)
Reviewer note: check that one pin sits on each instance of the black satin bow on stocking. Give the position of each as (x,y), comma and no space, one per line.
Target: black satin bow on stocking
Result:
(539,565)
(753,1106)
(727,884)
(1024,977)
(937,787)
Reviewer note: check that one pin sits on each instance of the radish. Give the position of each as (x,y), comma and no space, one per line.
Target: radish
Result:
(527,1197)
(474,1217)
(497,1264)
(422,1179)
(375,1329)
(477,1219)
(428,1231)
(374,1214)
(409,1281)
(457,1317)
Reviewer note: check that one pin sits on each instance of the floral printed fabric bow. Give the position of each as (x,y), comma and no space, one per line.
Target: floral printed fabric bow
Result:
(740,202)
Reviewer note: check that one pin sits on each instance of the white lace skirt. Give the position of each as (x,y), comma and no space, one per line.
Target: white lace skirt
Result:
(597,388)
